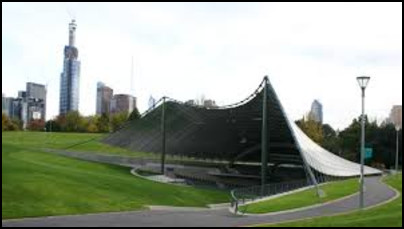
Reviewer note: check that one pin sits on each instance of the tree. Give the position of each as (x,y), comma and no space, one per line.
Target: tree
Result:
(73,121)
(53,126)
(10,124)
(312,129)
(36,125)
(117,120)
(4,121)
(381,138)
(331,141)
(15,124)
(102,123)
(350,141)
(61,122)
(91,126)
(134,115)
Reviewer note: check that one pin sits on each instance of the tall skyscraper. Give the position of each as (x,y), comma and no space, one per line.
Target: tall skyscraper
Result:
(70,77)
(396,116)
(316,112)
(104,99)
(7,105)
(123,103)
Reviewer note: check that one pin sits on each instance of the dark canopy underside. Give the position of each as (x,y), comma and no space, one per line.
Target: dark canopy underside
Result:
(232,134)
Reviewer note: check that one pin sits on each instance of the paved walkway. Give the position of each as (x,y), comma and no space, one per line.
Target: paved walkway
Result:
(376,193)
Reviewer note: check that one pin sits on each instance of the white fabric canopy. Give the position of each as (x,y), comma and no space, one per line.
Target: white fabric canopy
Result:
(324,161)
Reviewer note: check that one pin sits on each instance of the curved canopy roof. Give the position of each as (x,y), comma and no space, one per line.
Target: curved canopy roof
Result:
(231,133)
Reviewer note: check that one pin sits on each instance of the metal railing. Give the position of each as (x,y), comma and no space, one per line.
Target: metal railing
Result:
(240,196)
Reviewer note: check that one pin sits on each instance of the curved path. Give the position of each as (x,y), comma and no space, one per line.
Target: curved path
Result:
(376,193)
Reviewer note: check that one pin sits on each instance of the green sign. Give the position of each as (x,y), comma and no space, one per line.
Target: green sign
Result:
(368,153)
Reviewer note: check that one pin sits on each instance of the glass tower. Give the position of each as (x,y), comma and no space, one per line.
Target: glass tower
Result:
(70,77)
(317,111)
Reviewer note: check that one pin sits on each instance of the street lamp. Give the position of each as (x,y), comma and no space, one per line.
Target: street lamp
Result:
(363,82)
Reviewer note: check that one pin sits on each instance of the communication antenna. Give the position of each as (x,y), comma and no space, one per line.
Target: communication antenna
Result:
(72,14)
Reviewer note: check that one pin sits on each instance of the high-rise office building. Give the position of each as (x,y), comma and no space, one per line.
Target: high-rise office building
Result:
(7,105)
(396,116)
(36,99)
(70,77)
(316,112)
(29,105)
(104,99)
(123,103)
(3,104)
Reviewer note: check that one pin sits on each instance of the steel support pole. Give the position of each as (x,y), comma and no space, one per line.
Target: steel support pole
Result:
(163,135)
(264,138)
(362,178)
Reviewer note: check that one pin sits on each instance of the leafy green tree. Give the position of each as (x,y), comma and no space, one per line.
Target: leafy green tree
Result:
(61,122)
(381,138)
(350,141)
(10,124)
(134,115)
(4,121)
(312,129)
(331,141)
(117,120)
(74,122)
(91,126)
(15,124)
(102,123)
(53,126)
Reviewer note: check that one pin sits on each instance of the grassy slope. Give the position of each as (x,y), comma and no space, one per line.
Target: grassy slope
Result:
(306,198)
(388,215)
(75,142)
(72,141)
(35,183)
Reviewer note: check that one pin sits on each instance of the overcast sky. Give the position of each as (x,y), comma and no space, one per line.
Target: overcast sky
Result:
(221,50)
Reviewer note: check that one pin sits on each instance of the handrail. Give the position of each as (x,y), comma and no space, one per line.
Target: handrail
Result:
(240,196)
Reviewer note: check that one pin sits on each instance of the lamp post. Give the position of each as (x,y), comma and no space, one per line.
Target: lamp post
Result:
(363,82)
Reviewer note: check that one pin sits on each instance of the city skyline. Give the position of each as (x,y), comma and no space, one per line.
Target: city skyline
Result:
(28,106)
(220,50)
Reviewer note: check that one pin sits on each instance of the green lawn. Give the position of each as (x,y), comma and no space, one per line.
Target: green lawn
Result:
(75,142)
(388,215)
(69,141)
(86,143)
(36,183)
(305,198)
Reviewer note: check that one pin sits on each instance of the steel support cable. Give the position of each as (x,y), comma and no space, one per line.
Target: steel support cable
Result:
(247,99)
(173,136)
(142,132)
